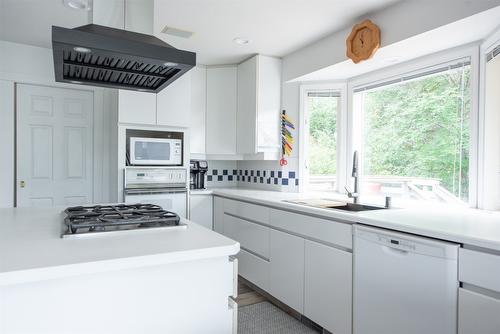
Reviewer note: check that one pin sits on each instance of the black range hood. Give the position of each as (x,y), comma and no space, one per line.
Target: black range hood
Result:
(113,58)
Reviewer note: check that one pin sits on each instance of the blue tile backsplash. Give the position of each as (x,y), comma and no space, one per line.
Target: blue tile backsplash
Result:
(270,177)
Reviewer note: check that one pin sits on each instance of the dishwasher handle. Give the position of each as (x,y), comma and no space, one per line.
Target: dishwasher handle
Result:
(394,251)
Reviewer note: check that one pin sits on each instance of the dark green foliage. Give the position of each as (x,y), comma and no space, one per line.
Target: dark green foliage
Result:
(323,135)
(420,129)
(415,129)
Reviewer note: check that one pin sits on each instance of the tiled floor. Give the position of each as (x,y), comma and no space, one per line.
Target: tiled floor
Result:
(259,315)
(247,296)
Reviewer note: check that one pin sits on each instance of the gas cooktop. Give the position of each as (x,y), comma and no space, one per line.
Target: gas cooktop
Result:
(107,218)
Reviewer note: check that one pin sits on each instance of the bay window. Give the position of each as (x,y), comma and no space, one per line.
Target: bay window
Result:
(414,135)
(414,125)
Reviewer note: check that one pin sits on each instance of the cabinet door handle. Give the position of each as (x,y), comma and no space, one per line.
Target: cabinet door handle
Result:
(234,260)
(22,184)
(233,305)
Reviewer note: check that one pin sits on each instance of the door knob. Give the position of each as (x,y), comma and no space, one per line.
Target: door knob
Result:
(22,184)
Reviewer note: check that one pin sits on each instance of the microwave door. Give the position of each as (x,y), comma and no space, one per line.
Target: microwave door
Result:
(155,151)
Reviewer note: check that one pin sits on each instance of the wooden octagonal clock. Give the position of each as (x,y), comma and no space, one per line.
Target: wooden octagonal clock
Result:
(363,41)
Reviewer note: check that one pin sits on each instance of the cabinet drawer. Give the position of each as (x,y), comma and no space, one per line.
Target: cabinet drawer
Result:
(316,228)
(251,236)
(477,314)
(248,211)
(480,269)
(254,269)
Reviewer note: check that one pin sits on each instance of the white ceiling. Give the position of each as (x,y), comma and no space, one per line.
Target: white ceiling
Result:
(30,21)
(274,27)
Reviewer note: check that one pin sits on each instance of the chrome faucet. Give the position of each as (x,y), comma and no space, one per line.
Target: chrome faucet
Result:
(354,194)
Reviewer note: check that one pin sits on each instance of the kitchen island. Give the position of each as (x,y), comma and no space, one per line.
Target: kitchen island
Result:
(144,281)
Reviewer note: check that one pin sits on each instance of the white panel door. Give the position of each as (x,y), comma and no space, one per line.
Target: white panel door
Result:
(54,146)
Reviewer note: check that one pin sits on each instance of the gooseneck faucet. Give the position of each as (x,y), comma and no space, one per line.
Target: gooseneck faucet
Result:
(355,174)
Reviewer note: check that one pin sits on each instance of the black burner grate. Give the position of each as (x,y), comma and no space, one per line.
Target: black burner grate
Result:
(83,219)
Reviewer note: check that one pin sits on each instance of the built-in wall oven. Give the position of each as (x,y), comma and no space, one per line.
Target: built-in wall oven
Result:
(154,148)
(166,187)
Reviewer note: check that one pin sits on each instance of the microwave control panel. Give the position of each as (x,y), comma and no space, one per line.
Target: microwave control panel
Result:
(154,176)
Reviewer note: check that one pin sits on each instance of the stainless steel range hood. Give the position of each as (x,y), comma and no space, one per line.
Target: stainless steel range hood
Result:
(113,58)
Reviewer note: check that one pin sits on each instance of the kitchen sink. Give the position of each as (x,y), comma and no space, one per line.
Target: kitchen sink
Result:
(324,203)
(356,207)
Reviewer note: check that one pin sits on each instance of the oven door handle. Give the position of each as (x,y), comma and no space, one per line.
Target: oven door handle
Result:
(155,191)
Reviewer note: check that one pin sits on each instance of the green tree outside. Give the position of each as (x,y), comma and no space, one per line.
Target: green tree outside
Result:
(418,129)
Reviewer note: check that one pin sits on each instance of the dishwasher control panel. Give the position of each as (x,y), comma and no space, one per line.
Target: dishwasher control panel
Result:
(396,242)
(406,242)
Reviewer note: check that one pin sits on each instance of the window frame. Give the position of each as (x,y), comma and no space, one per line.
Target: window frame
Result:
(341,88)
(355,119)
(486,46)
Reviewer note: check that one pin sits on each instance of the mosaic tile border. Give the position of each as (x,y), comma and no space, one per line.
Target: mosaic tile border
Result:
(271,177)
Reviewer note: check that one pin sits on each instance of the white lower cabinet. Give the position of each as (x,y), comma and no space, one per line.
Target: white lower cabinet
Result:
(254,269)
(478,313)
(278,255)
(200,210)
(479,308)
(287,269)
(218,214)
(252,237)
(328,287)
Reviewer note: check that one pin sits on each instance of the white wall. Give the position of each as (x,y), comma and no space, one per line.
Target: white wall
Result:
(398,22)
(33,65)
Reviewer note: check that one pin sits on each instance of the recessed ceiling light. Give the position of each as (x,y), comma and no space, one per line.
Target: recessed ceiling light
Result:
(81,49)
(241,41)
(76,82)
(177,32)
(170,64)
(77,4)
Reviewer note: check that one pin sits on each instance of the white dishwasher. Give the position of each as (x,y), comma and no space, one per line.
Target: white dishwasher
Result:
(403,284)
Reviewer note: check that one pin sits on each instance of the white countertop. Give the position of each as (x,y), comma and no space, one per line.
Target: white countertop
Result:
(462,225)
(31,248)
(194,192)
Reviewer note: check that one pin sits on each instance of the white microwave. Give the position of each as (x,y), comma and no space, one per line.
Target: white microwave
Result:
(155,151)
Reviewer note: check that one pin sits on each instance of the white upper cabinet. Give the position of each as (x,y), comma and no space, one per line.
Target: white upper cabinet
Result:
(259,101)
(136,107)
(170,107)
(174,103)
(198,110)
(221,110)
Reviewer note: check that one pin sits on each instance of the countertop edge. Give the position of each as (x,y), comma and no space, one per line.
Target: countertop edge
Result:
(356,218)
(76,269)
